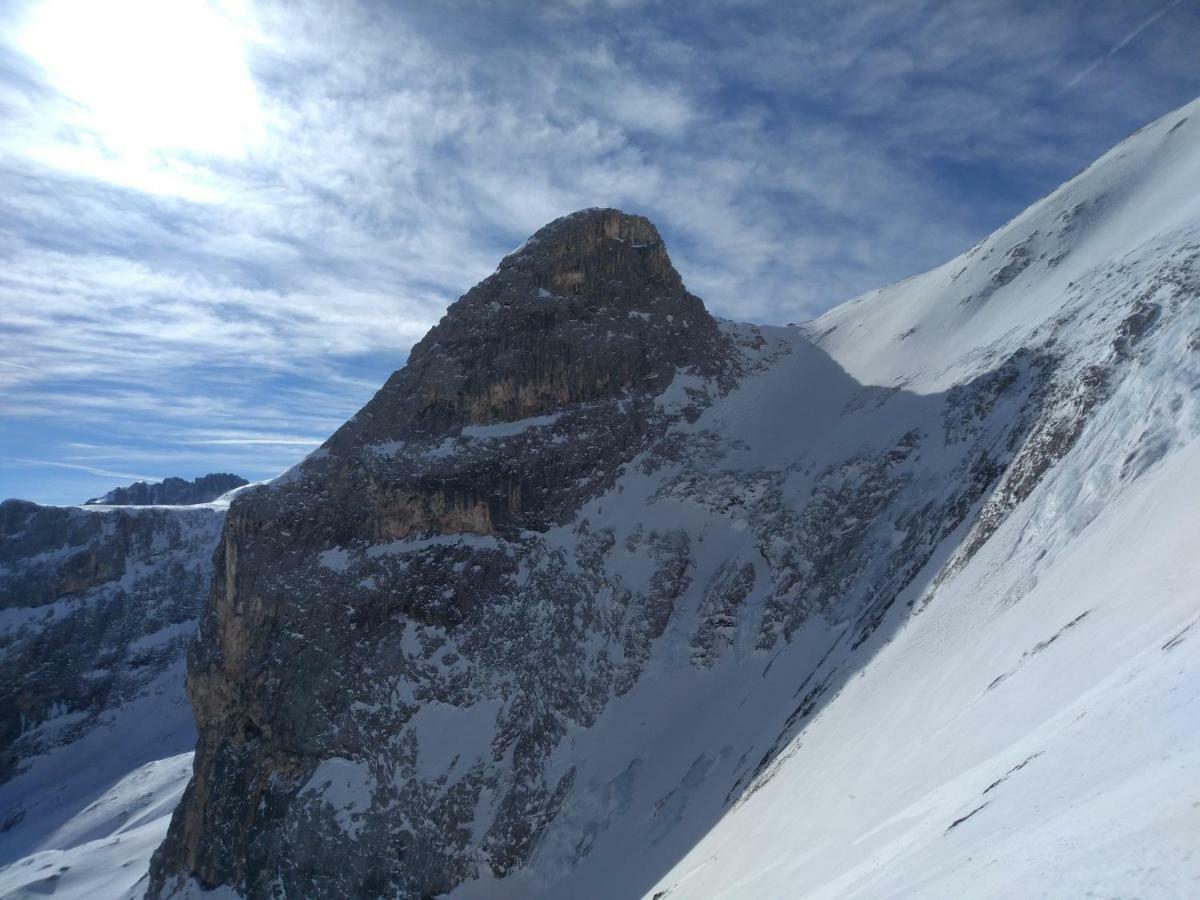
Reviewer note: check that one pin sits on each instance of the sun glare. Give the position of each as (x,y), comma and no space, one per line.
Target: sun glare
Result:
(150,77)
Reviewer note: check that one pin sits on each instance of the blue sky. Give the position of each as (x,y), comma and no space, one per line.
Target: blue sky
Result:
(224,224)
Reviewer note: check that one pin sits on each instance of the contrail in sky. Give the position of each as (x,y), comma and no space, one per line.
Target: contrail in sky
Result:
(62,465)
(1119,45)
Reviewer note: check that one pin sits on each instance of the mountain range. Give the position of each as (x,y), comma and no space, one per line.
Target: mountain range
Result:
(601,596)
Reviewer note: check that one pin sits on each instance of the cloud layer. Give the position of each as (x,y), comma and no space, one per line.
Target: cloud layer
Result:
(222,229)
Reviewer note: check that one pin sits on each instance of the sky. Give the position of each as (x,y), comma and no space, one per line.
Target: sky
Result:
(223,225)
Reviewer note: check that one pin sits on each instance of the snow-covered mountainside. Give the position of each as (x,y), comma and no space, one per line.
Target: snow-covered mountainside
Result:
(599,597)
(101,852)
(97,608)
(1026,722)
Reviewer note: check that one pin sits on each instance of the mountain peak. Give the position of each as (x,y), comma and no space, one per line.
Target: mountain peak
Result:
(171,491)
(589,308)
(611,223)
(571,252)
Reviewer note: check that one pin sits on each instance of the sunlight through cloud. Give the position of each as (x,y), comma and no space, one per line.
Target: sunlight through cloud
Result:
(151,78)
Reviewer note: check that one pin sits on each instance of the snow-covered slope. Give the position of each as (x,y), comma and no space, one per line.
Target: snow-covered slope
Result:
(1033,728)
(1071,253)
(104,849)
(1034,731)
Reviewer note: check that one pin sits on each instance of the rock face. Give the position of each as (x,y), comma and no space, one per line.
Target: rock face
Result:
(522,404)
(96,610)
(171,491)
(565,592)
(577,331)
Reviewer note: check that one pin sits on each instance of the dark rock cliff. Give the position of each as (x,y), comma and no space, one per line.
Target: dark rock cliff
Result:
(525,401)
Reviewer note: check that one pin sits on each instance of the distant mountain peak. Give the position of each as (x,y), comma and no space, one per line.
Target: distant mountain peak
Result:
(171,491)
